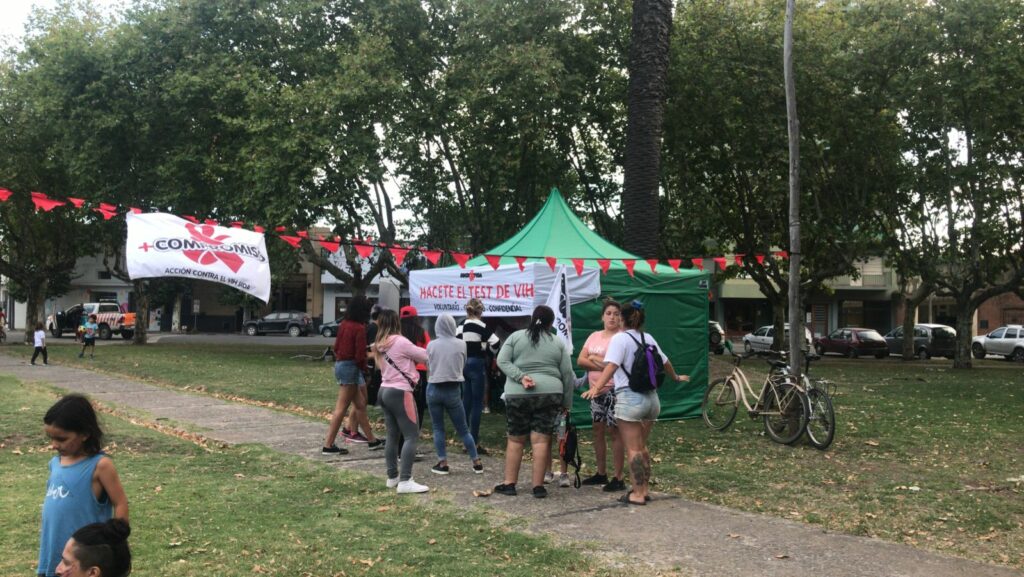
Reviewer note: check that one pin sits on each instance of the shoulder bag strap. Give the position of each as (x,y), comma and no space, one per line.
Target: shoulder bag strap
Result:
(394,366)
(623,366)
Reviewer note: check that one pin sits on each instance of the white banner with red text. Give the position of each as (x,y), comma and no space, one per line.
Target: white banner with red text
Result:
(506,291)
(164,245)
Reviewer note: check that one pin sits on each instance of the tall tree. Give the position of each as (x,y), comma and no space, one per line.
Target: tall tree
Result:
(645,107)
(965,139)
(727,167)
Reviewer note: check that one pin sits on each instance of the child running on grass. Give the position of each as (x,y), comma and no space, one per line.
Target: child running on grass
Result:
(89,337)
(39,338)
(83,487)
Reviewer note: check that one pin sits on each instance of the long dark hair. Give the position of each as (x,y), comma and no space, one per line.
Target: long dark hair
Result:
(540,323)
(74,413)
(358,309)
(104,545)
(412,330)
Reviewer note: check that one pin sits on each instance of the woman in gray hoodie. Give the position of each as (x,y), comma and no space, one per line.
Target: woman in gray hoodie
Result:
(446,357)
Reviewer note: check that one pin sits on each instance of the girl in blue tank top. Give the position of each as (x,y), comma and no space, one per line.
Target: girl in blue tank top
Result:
(83,487)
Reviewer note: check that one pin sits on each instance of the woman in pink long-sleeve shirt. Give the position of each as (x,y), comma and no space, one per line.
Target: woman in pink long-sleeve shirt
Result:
(397,357)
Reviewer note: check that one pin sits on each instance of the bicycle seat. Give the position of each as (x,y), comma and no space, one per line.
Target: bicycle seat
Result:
(778,364)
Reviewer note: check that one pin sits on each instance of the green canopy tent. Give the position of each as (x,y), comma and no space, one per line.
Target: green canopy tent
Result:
(676,303)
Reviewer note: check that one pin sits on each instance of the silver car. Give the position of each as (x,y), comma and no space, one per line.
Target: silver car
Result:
(1007,341)
(930,340)
(761,339)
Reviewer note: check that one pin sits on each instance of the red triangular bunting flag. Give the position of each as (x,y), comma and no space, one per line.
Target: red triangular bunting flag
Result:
(108,207)
(280,229)
(521,260)
(674,263)
(494,260)
(698,262)
(604,263)
(135,210)
(461,258)
(399,254)
(784,254)
(331,247)
(630,263)
(720,261)
(107,214)
(237,224)
(433,256)
(337,238)
(364,250)
(552,261)
(292,240)
(738,259)
(191,219)
(211,222)
(78,202)
(760,258)
(578,263)
(303,234)
(654,265)
(5,194)
(45,203)
(258,228)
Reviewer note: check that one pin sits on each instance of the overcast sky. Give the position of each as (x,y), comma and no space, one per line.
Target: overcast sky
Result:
(14,15)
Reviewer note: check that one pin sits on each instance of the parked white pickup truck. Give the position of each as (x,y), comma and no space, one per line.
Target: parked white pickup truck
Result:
(109,317)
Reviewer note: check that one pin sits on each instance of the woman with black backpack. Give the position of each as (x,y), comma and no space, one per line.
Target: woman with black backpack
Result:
(636,365)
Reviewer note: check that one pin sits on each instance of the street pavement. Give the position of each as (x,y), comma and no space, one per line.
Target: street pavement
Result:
(669,534)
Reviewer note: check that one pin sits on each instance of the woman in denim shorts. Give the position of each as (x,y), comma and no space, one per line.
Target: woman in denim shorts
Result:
(349,366)
(635,412)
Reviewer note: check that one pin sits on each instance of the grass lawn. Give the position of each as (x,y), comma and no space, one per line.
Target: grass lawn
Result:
(246,510)
(923,454)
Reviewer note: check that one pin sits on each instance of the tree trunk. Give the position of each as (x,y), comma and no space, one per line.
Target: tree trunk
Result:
(176,315)
(648,73)
(796,332)
(964,323)
(910,308)
(779,321)
(141,335)
(34,308)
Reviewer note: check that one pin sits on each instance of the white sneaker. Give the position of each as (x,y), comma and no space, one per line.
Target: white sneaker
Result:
(549,477)
(411,486)
(392,483)
(563,480)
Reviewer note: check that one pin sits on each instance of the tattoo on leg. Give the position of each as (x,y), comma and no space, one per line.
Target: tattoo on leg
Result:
(639,470)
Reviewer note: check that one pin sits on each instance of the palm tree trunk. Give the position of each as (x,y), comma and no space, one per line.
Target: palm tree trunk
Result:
(648,72)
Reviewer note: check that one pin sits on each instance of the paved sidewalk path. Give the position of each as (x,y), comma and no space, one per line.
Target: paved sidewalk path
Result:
(669,533)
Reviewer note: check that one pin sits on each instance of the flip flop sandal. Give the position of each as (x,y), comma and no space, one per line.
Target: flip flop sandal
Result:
(626,500)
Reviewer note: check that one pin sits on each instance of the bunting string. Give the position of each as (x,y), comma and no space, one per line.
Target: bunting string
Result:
(399,252)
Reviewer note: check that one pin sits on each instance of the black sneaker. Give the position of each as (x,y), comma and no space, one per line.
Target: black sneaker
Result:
(506,489)
(596,479)
(614,485)
(333,450)
(478,468)
(482,451)
(440,469)
(540,492)
(375,445)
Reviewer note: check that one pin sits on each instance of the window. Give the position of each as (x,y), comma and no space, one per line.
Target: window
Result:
(103,274)
(897,333)
(761,332)
(1010,334)
(997,334)
(105,308)
(921,332)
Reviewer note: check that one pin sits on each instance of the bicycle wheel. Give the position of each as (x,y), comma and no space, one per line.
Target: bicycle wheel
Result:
(720,404)
(821,424)
(785,413)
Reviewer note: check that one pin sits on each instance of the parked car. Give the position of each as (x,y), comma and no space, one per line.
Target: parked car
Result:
(716,338)
(1007,341)
(930,340)
(292,322)
(761,339)
(109,319)
(329,329)
(853,342)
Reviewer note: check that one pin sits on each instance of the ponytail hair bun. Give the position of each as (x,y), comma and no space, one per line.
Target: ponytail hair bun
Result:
(104,545)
